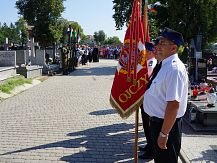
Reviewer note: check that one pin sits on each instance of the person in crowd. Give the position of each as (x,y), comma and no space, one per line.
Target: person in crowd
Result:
(87,54)
(79,55)
(185,54)
(46,58)
(151,60)
(165,99)
(83,56)
(209,64)
(95,54)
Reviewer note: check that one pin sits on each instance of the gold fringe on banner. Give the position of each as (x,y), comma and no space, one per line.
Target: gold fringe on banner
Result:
(129,111)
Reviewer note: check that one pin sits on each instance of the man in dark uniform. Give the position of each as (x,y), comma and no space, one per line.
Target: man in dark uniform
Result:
(95,54)
(165,100)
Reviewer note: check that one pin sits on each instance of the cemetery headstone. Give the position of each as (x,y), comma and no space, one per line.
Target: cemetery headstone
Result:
(22,57)
(196,73)
(7,64)
(40,59)
(32,45)
(26,68)
(7,58)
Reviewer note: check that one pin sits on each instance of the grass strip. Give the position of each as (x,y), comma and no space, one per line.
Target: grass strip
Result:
(8,85)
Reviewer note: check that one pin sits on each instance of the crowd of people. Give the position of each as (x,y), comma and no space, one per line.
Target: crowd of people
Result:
(85,53)
(110,52)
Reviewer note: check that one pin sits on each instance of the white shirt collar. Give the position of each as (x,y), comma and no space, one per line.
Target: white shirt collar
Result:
(170,58)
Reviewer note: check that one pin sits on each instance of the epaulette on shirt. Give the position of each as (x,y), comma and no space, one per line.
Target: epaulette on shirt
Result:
(150,63)
(174,62)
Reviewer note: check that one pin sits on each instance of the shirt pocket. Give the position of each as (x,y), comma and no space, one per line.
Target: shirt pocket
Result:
(156,86)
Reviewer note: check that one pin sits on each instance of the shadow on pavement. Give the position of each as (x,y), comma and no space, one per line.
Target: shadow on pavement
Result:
(103,112)
(206,156)
(101,144)
(97,71)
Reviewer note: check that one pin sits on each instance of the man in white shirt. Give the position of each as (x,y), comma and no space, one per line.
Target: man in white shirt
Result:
(151,60)
(165,100)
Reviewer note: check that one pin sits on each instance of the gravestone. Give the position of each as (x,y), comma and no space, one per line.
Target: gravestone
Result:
(30,71)
(25,67)
(32,45)
(54,54)
(8,58)
(7,64)
(196,64)
(202,69)
(47,68)
(22,57)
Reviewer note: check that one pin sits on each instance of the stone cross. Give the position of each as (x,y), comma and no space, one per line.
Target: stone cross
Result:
(32,45)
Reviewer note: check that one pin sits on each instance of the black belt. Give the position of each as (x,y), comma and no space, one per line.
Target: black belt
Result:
(156,119)
(160,120)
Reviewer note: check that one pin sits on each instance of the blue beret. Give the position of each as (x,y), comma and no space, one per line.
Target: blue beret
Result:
(173,36)
(149,46)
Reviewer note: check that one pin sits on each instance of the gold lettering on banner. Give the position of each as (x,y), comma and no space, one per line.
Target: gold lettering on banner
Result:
(133,89)
(145,80)
(124,96)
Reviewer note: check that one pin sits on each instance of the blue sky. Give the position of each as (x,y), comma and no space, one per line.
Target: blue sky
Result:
(92,15)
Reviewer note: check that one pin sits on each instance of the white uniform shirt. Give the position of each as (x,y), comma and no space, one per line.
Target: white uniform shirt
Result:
(171,83)
(151,64)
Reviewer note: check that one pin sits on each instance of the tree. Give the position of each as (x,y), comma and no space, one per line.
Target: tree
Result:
(21,25)
(4,32)
(195,17)
(102,36)
(44,15)
(17,33)
(123,11)
(99,37)
(2,39)
(113,41)
(11,33)
(190,17)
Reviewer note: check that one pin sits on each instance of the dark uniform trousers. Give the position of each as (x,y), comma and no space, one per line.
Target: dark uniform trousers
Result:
(146,127)
(169,155)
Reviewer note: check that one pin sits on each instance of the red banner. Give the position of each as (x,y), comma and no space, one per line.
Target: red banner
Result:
(131,76)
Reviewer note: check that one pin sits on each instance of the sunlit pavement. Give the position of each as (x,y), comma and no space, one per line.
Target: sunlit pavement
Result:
(69,119)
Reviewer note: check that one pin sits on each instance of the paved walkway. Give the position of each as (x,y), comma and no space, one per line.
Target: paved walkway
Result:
(69,119)
(199,146)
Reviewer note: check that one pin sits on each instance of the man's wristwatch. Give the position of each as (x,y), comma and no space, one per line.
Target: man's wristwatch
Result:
(163,135)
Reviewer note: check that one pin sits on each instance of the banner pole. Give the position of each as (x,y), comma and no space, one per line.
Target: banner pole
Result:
(136,123)
(145,20)
(136,137)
